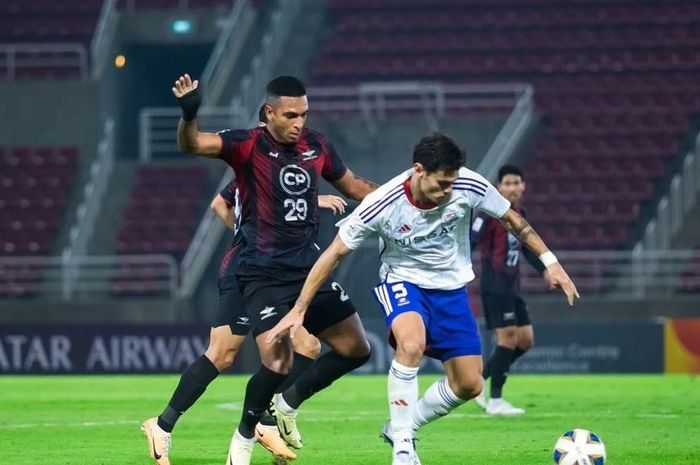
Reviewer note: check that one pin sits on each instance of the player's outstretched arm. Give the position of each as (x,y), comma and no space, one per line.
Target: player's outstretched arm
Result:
(332,202)
(554,273)
(224,211)
(189,138)
(322,269)
(353,186)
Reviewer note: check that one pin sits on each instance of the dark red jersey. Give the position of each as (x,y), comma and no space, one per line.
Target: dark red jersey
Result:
(278,186)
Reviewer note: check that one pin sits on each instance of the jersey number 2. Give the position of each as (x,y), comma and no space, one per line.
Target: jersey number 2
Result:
(296,209)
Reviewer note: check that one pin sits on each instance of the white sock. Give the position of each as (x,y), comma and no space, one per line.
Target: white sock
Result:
(283,406)
(239,437)
(438,401)
(402,387)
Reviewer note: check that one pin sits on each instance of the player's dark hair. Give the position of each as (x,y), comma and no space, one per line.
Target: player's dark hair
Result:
(438,151)
(285,86)
(262,114)
(509,169)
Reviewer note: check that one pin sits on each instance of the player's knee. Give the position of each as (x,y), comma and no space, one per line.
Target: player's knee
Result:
(281,365)
(410,351)
(221,357)
(308,347)
(526,344)
(507,337)
(467,387)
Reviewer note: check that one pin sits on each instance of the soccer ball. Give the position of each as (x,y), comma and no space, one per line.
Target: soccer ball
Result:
(579,447)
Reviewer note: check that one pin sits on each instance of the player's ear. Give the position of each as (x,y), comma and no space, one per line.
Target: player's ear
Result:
(419,169)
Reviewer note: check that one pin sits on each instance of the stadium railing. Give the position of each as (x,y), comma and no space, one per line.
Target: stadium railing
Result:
(50,276)
(89,208)
(103,37)
(69,57)
(158,126)
(603,273)
(672,208)
(228,46)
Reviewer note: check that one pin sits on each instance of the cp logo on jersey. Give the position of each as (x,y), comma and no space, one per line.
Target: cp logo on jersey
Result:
(294,179)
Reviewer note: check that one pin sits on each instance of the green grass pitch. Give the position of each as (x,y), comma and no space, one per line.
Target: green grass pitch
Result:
(652,420)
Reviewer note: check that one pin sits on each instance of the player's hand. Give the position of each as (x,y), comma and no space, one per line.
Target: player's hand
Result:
(557,277)
(332,202)
(187,93)
(287,325)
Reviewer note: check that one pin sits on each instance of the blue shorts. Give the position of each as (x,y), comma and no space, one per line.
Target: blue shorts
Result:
(451,330)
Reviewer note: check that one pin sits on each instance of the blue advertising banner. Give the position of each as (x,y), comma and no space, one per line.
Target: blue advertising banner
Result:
(88,349)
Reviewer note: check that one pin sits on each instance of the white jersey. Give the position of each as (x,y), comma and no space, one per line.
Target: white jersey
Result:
(426,247)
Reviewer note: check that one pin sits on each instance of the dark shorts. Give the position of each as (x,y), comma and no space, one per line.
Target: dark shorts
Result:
(230,310)
(502,310)
(270,293)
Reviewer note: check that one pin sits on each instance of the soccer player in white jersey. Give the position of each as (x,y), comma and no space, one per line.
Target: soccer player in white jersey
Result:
(423,216)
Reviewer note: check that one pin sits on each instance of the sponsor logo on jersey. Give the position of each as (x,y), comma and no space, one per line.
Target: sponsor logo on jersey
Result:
(294,179)
(445,230)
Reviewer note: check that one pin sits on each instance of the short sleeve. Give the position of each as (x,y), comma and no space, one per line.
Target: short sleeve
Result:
(229,193)
(333,166)
(481,194)
(353,231)
(232,142)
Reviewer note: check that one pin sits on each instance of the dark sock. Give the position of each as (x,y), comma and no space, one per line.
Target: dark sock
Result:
(487,368)
(500,362)
(321,374)
(517,353)
(300,365)
(258,394)
(267,419)
(193,383)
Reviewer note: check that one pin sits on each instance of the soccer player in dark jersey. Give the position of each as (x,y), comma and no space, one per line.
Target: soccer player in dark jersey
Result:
(278,169)
(505,310)
(227,335)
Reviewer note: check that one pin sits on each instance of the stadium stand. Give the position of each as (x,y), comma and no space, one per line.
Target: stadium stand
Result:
(616,81)
(35,184)
(165,206)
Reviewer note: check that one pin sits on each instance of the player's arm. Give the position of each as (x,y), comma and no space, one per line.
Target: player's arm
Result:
(554,272)
(319,273)
(332,202)
(534,261)
(353,186)
(189,138)
(224,211)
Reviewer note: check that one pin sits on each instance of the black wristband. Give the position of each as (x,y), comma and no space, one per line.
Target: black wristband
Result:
(190,104)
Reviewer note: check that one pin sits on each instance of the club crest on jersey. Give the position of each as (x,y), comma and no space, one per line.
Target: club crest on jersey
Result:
(294,179)
(449,216)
